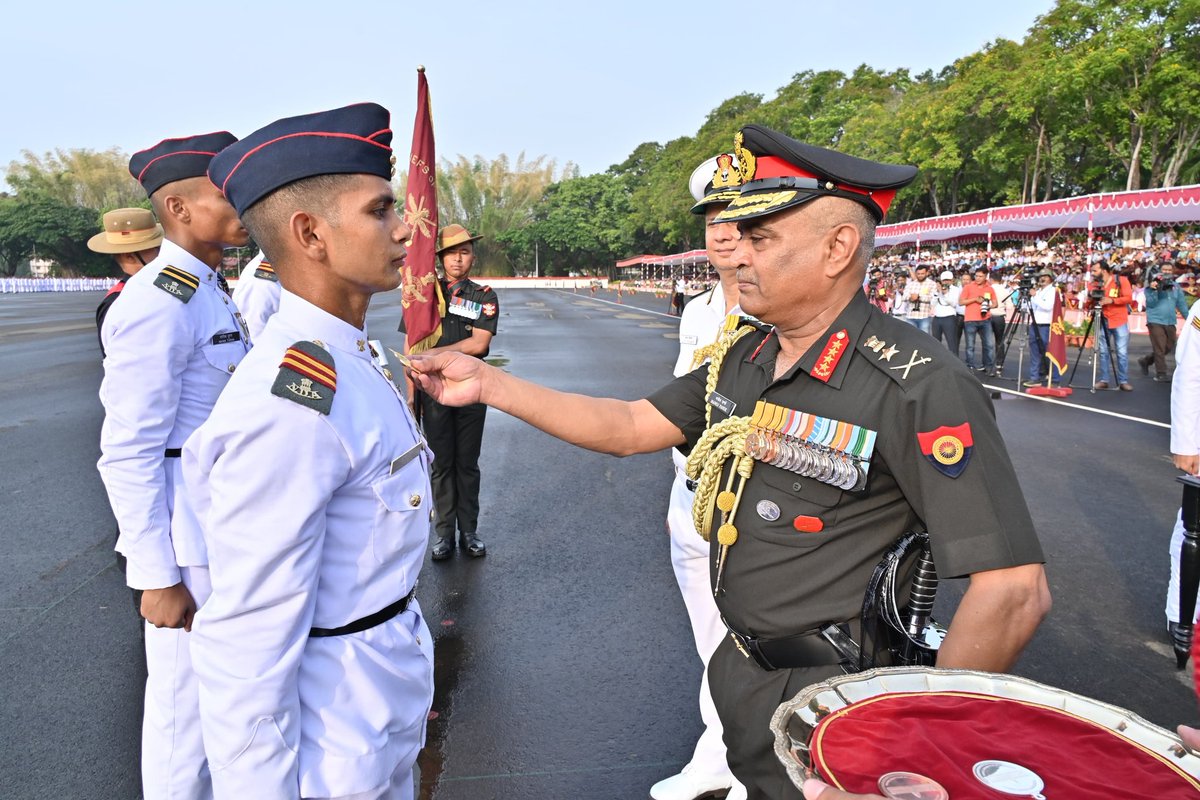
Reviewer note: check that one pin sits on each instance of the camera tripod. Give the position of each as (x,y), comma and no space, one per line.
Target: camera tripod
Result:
(1022,319)
(1097,313)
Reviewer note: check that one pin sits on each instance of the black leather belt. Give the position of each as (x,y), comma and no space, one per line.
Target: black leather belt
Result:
(370,621)
(173,452)
(808,649)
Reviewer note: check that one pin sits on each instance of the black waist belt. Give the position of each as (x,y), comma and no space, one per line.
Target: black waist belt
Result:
(808,649)
(173,452)
(370,621)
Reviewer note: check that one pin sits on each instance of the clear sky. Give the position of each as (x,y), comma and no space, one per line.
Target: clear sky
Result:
(575,81)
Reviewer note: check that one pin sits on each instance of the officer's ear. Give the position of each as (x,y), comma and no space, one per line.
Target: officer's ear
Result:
(308,232)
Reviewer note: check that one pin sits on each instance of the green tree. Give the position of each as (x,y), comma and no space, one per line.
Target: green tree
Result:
(493,198)
(580,224)
(88,178)
(53,230)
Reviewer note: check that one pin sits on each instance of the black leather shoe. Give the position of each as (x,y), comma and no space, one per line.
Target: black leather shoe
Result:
(443,548)
(474,545)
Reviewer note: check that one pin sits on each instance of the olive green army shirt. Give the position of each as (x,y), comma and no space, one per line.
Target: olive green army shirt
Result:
(938,464)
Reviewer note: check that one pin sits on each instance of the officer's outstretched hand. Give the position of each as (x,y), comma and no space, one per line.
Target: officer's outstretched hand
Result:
(172,607)
(1190,737)
(452,379)
(818,790)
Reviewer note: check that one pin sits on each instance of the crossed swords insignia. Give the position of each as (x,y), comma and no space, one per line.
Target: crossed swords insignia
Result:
(914,361)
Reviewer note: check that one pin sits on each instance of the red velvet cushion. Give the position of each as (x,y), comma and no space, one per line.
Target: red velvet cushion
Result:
(941,735)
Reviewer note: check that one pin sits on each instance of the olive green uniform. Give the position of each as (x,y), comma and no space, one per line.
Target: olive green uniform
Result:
(778,582)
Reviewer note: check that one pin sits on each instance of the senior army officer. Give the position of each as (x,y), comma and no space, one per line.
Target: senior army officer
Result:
(874,389)
(312,488)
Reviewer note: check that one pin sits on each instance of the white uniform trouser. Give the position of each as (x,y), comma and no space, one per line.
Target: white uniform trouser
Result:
(689,559)
(173,762)
(402,786)
(1173,585)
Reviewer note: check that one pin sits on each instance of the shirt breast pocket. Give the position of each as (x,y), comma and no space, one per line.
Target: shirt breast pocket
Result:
(403,512)
(783,507)
(224,356)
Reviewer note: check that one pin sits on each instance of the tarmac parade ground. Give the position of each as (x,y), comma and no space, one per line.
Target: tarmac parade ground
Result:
(565,666)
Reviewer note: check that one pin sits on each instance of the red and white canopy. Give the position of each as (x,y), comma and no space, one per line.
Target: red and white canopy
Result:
(672,260)
(1105,210)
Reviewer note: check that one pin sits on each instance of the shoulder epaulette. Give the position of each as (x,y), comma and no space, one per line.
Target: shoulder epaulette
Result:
(734,321)
(307,376)
(176,282)
(266,272)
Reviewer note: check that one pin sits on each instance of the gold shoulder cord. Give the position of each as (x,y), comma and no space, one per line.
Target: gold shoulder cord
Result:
(719,442)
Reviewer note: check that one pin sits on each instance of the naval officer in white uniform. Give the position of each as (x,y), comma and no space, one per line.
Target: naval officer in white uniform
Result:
(170,347)
(312,488)
(1185,439)
(713,184)
(257,293)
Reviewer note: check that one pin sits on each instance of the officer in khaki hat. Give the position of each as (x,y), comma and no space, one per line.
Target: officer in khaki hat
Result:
(132,237)
(818,434)
(456,434)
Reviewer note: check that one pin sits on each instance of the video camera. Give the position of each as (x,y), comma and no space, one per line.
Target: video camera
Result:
(1165,282)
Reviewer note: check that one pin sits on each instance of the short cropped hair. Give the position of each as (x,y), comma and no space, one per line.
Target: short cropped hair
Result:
(267,219)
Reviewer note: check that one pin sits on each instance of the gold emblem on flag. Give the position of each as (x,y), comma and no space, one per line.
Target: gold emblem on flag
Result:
(418,218)
(413,288)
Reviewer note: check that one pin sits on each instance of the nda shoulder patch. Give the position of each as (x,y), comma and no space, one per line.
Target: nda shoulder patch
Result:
(266,272)
(307,376)
(178,283)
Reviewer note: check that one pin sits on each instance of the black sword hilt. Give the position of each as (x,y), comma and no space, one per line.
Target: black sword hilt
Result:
(923,594)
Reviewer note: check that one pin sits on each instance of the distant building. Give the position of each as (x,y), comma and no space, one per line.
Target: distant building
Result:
(41,267)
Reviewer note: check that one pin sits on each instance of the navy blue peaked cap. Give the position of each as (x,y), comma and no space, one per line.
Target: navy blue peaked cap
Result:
(345,141)
(175,159)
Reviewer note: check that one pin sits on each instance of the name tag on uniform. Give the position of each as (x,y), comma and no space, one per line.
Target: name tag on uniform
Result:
(722,403)
(688,338)
(465,308)
(226,338)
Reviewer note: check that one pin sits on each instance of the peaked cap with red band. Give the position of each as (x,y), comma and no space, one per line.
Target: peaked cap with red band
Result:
(344,141)
(787,172)
(175,159)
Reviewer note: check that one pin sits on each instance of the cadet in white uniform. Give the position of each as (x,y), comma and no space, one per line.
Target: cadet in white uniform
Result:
(1185,438)
(170,346)
(257,293)
(312,488)
(714,183)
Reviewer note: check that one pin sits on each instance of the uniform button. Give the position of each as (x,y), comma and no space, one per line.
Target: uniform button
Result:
(796,486)
(232,367)
(431,515)
(415,500)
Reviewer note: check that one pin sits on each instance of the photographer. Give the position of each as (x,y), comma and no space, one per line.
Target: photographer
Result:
(945,315)
(878,290)
(1041,302)
(978,298)
(1113,294)
(1164,299)
(919,291)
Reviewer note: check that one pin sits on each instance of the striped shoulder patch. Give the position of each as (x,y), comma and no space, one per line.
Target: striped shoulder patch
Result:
(266,272)
(307,376)
(1196,322)
(177,282)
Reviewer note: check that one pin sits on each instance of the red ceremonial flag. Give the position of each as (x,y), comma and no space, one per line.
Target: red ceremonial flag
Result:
(1056,351)
(421,297)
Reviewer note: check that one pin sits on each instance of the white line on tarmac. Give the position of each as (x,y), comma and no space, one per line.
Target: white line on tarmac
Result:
(1184,676)
(639,309)
(1027,396)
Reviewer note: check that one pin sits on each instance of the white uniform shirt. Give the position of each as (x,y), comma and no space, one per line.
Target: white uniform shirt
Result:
(165,363)
(1185,388)
(1042,303)
(311,520)
(945,301)
(256,295)
(699,326)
